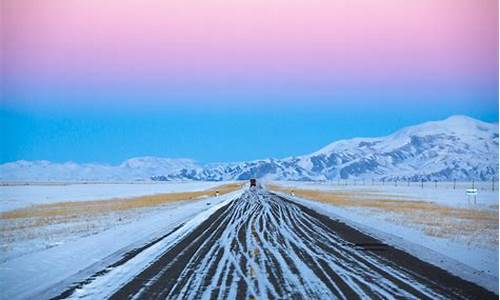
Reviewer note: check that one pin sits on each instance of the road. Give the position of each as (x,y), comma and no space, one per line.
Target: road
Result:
(263,246)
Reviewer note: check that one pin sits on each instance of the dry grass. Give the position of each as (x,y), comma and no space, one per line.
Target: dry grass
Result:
(51,224)
(77,208)
(469,224)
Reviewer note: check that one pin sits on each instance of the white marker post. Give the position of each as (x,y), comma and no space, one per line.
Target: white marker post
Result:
(471,193)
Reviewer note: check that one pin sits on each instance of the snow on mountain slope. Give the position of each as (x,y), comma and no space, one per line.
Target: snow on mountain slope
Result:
(459,147)
(456,148)
(151,166)
(140,168)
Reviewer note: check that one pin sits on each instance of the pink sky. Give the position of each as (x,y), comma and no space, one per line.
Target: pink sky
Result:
(250,43)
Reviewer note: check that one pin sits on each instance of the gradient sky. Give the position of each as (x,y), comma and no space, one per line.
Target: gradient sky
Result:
(220,80)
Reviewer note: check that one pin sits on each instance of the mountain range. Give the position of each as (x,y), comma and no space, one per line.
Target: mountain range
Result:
(457,148)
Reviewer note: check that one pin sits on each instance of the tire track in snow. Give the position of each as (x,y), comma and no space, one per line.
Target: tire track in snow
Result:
(263,246)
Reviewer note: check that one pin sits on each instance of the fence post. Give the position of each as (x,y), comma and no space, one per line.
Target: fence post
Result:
(472,183)
(422,183)
(454,183)
(493,184)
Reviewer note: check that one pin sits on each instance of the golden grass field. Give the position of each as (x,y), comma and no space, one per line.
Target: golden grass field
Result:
(469,224)
(84,217)
(103,206)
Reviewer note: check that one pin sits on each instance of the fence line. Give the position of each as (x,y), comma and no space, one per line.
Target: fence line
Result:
(491,185)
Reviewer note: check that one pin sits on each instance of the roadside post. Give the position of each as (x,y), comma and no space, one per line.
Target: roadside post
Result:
(471,193)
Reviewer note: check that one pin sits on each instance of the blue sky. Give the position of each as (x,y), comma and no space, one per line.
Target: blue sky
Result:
(207,132)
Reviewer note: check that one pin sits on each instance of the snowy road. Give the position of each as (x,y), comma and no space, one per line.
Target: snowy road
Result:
(263,246)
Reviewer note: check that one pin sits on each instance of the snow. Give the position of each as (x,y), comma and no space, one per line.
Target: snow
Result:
(104,286)
(455,148)
(443,194)
(462,125)
(474,262)
(134,169)
(44,273)
(19,196)
(465,127)
(249,228)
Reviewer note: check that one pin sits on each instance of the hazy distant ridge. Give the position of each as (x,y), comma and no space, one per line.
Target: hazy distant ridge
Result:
(459,147)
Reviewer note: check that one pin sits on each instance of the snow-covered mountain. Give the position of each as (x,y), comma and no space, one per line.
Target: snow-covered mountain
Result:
(139,168)
(456,148)
(459,148)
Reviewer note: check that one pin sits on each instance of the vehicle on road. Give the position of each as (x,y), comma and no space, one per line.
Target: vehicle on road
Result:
(253,182)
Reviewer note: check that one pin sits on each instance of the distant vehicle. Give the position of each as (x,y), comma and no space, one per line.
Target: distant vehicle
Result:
(253,182)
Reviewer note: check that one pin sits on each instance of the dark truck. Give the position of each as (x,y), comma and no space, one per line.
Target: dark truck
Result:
(253,182)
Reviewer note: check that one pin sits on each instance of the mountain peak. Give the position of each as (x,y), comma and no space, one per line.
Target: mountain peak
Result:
(458,147)
(158,162)
(459,125)
(460,118)
(459,121)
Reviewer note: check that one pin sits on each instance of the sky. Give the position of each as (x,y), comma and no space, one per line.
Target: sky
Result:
(220,80)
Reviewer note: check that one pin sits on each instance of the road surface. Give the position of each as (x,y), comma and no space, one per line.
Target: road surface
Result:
(263,246)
